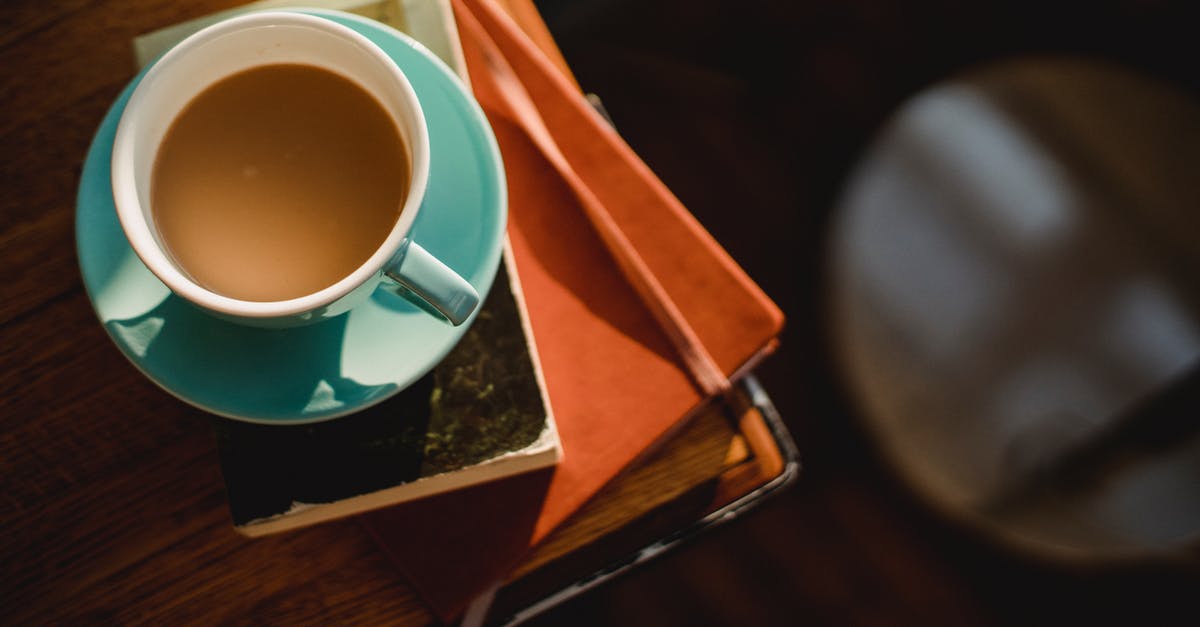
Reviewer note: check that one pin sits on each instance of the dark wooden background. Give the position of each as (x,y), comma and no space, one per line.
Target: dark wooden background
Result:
(112,508)
(753,112)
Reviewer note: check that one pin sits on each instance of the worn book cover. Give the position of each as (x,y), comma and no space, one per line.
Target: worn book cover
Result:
(479,415)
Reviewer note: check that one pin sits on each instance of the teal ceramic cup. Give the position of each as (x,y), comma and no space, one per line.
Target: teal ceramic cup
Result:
(266,38)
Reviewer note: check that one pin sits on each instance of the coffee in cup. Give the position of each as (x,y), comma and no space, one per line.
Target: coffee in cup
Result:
(278,181)
(269,169)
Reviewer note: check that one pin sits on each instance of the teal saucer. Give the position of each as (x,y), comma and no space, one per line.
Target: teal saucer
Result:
(318,372)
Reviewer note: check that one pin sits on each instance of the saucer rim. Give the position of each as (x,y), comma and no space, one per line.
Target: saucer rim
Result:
(490,265)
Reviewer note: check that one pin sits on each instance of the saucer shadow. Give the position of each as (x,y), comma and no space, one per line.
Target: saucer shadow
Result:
(233,369)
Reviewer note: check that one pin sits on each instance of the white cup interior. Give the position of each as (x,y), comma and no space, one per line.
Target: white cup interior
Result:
(220,51)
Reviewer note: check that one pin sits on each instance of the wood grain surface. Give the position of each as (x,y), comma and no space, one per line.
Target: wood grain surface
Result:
(113,508)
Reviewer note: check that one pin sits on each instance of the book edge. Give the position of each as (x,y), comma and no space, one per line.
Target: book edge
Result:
(518,293)
(308,514)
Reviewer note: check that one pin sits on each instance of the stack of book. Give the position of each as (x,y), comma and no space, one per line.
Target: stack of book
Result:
(459,487)
(615,382)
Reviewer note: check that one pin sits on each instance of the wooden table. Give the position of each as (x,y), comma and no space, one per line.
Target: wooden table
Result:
(114,508)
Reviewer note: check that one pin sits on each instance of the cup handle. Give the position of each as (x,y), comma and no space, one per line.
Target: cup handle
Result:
(431,285)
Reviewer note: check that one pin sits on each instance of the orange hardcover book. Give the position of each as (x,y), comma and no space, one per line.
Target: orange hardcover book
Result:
(615,384)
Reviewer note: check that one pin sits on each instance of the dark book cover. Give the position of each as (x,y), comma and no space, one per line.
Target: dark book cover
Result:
(479,415)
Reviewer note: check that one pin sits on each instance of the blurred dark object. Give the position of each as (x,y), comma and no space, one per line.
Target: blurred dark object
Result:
(1013,284)
(755,113)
